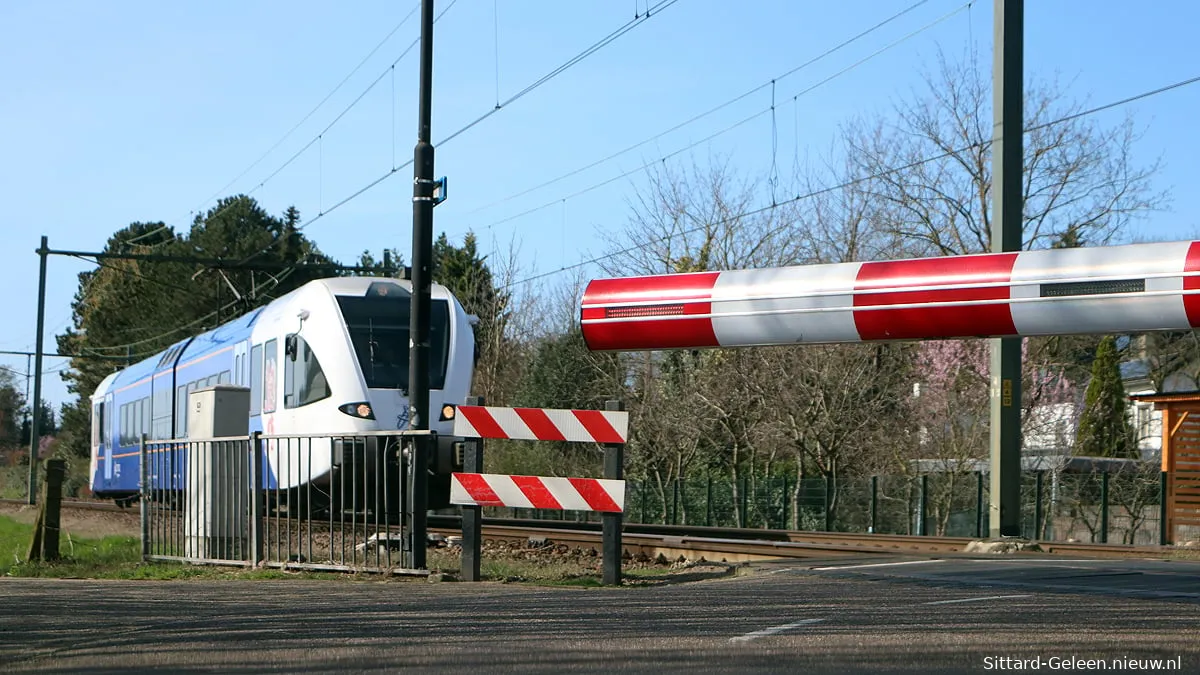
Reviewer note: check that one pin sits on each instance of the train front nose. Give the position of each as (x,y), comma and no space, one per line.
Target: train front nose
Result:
(390,407)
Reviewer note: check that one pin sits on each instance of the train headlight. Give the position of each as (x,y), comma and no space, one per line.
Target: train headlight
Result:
(359,410)
(448,411)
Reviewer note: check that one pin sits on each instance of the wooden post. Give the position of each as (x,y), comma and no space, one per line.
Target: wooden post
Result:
(46,528)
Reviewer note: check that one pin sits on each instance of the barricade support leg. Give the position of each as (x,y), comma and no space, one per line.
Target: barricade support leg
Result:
(472,516)
(614,461)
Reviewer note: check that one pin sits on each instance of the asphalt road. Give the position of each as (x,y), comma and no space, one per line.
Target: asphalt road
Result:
(835,616)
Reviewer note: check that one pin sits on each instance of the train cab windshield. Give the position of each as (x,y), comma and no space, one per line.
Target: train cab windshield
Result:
(378,324)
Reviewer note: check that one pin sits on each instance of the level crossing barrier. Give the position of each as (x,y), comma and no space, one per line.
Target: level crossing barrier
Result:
(473,489)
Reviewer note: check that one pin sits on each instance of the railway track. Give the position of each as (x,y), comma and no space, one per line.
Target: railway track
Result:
(729,544)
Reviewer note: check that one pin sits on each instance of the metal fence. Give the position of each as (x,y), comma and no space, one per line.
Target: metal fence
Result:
(336,503)
(1107,507)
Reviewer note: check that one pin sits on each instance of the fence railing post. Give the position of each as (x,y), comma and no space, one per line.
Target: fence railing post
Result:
(708,509)
(418,494)
(614,469)
(1164,536)
(144,495)
(783,503)
(1104,508)
(472,516)
(257,500)
(979,505)
(829,502)
(642,487)
(1038,513)
(923,505)
(673,512)
(874,526)
(743,516)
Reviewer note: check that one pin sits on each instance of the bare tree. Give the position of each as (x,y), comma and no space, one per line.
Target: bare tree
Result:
(1082,184)
(689,220)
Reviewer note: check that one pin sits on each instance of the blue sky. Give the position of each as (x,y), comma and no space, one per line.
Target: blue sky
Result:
(125,111)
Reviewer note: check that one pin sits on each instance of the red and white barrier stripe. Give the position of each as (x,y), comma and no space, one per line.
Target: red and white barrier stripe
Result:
(536,492)
(1139,287)
(541,424)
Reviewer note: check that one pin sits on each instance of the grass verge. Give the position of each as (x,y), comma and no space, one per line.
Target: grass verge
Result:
(119,557)
(112,557)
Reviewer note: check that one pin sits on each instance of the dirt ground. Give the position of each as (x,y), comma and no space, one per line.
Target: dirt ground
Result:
(82,523)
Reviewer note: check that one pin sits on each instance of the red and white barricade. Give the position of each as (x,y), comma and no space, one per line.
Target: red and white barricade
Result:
(605,495)
(536,492)
(541,424)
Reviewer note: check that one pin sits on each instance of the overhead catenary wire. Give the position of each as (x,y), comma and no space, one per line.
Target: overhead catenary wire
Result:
(317,107)
(725,130)
(592,49)
(316,139)
(258,290)
(297,125)
(855,181)
(828,52)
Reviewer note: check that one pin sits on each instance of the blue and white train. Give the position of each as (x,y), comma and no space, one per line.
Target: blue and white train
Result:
(329,358)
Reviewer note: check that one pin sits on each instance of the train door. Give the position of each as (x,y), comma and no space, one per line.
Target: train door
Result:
(107,439)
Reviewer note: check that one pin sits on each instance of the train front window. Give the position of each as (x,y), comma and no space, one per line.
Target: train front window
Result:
(378,327)
(303,380)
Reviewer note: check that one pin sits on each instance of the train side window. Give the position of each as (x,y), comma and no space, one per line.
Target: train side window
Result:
(223,377)
(123,432)
(270,387)
(97,423)
(303,380)
(256,379)
(135,422)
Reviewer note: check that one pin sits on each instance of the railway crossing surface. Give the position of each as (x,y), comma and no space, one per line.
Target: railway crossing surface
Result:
(872,614)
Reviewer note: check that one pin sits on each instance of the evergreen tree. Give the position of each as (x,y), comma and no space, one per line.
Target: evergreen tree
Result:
(12,409)
(1104,428)
(127,310)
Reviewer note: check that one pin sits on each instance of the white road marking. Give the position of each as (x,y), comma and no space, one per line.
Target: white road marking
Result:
(786,569)
(980,599)
(855,567)
(774,630)
(1034,561)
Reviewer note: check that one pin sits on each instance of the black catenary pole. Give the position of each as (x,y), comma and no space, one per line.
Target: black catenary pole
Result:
(422,255)
(422,241)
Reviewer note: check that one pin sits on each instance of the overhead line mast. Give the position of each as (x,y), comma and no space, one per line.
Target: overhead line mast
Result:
(427,193)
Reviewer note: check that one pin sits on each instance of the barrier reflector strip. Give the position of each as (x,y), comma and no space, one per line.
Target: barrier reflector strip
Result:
(476,422)
(539,424)
(599,427)
(477,487)
(595,495)
(566,494)
(542,424)
(536,492)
